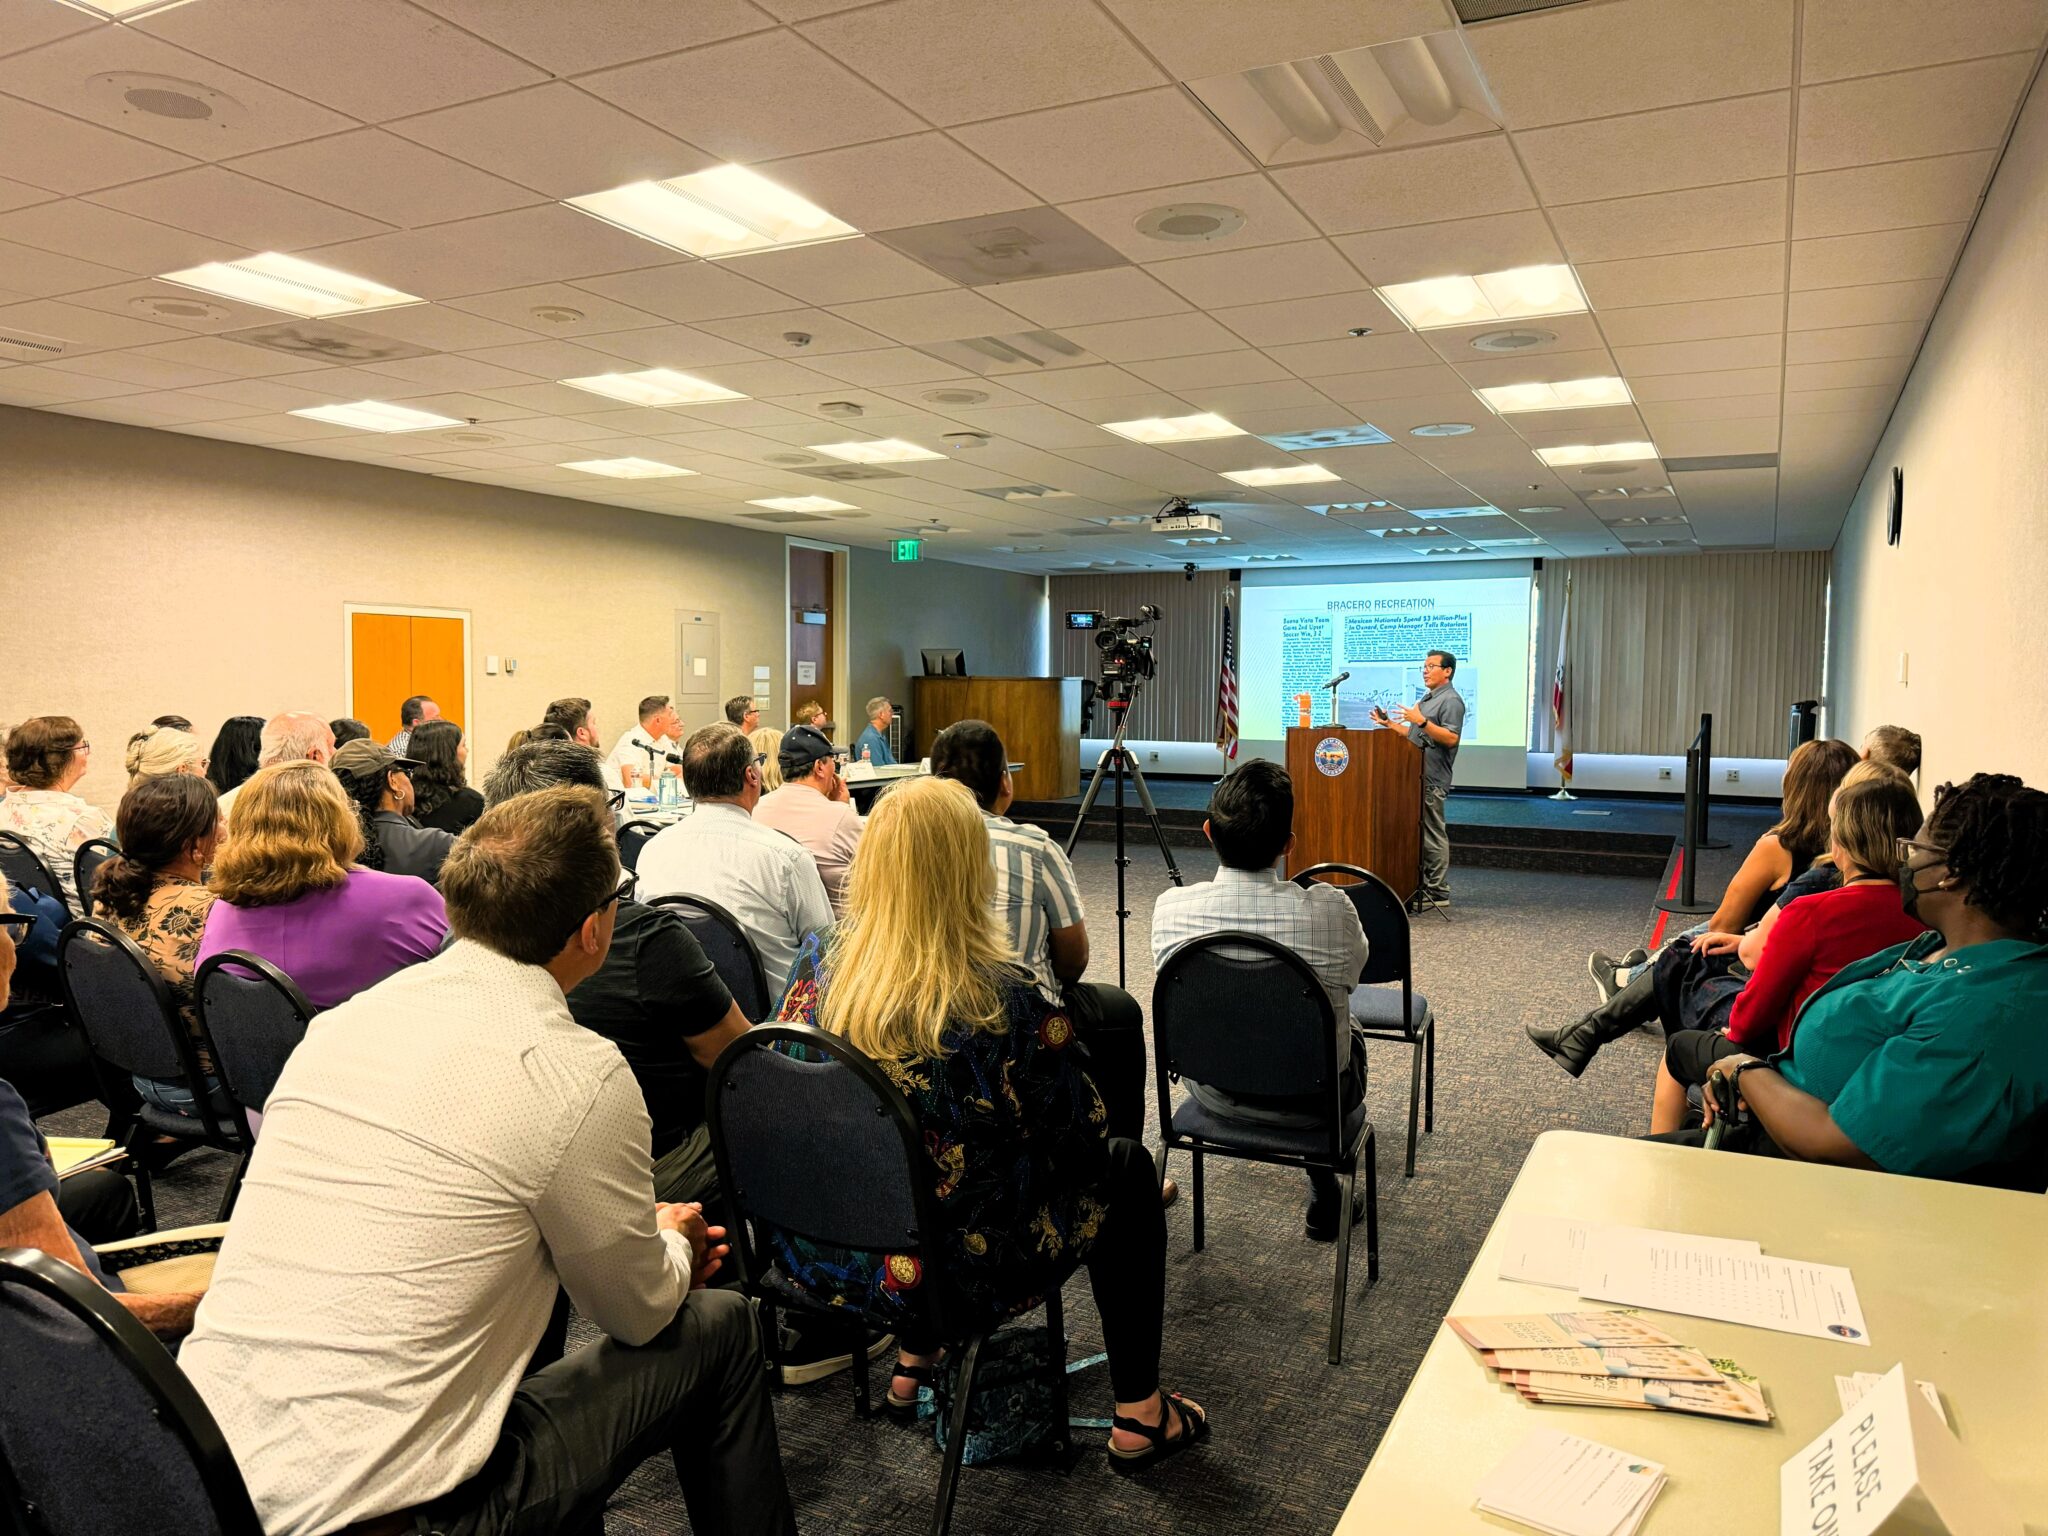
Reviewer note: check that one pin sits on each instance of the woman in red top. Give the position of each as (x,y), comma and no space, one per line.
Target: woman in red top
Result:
(1813,937)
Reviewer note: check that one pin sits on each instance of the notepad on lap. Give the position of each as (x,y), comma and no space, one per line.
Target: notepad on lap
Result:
(1570,1486)
(76,1154)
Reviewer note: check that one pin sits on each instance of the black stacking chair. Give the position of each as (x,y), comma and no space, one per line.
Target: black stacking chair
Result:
(99,1430)
(85,864)
(1246,1016)
(634,836)
(731,950)
(24,867)
(254,1018)
(121,1002)
(879,1199)
(1380,1012)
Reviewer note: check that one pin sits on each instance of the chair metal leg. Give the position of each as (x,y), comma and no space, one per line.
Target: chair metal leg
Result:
(229,1195)
(1414,1100)
(1056,1327)
(1197,1213)
(145,1197)
(862,1408)
(1350,1193)
(956,1437)
(1372,1208)
(1429,1077)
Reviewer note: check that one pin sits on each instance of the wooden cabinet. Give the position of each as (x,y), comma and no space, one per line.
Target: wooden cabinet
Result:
(1039,719)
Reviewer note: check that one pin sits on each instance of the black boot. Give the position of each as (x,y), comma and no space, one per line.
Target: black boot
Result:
(1573,1046)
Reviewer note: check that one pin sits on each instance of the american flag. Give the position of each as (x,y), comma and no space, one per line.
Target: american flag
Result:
(1226,695)
(1560,693)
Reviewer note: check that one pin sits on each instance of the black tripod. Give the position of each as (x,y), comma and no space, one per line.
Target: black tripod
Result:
(1117,758)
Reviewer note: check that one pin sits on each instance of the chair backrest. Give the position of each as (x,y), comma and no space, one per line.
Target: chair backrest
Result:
(24,867)
(254,1018)
(784,1103)
(1382,915)
(634,836)
(1246,1016)
(85,864)
(100,1433)
(730,949)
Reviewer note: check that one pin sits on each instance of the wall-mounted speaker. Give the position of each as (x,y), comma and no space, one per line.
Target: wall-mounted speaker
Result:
(1895,519)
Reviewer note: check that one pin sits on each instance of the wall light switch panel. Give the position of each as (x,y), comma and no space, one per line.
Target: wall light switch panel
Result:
(1903,657)
(490,666)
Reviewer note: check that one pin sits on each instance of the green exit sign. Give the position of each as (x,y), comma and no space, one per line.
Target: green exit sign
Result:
(906,549)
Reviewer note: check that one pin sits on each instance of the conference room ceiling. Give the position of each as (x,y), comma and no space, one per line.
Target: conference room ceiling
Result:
(1762,201)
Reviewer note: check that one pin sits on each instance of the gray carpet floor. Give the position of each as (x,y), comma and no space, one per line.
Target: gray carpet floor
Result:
(1246,1319)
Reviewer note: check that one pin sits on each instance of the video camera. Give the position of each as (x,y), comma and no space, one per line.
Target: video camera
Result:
(1126,657)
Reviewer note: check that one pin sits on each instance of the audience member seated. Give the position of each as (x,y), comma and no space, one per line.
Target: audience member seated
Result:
(439,1155)
(768,881)
(1810,940)
(46,757)
(1895,745)
(921,978)
(1038,905)
(175,722)
(414,712)
(548,730)
(1928,1058)
(163,749)
(1251,827)
(152,891)
(742,711)
(380,787)
(814,807)
(577,722)
(641,756)
(872,745)
(233,755)
(347,729)
(767,744)
(291,890)
(441,796)
(288,738)
(812,713)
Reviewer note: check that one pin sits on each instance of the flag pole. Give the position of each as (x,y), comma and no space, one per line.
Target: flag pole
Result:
(1560,701)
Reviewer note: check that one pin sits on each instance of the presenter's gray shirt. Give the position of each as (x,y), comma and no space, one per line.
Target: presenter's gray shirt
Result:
(1440,706)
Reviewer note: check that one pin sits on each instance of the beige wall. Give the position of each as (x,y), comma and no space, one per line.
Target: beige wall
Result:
(996,617)
(1965,595)
(144,573)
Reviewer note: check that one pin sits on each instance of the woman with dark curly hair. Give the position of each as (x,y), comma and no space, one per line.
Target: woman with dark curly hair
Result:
(235,750)
(440,787)
(1929,1058)
(380,786)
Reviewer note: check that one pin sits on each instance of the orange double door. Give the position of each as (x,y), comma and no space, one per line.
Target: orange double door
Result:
(393,656)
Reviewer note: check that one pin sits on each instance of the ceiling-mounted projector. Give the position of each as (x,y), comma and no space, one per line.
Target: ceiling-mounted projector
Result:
(1177,516)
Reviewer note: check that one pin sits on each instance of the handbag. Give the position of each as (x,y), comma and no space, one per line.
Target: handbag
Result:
(1015,1413)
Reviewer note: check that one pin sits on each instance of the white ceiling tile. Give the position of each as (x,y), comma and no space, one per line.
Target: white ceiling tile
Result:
(231,357)
(1941,190)
(886,366)
(1434,183)
(1547,367)
(1198,38)
(1321,319)
(1064,386)
(957,61)
(1866,37)
(1702,320)
(1665,413)
(36,383)
(66,76)
(1490,244)
(90,328)
(1940,111)
(1269,218)
(1634,56)
(1702,356)
(386,178)
(897,183)
(143,372)
(240,210)
(1861,373)
(170,405)
(554,359)
(372,59)
(500,250)
(1568,333)
(47,149)
(1878,304)
(1087,298)
(1092,149)
(442,329)
(588,145)
(1710,439)
(1849,343)
(945,316)
(87,232)
(26,24)
(558,402)
(1233,400)
(1304,270)
(838,272)
(1179,373)
(1697,219)
(1352,354)
(441,371)
(1707,386)
(1400,383)
(688,290)
(769,333)
(590,34)
(30,270)
(516,306)
(755,98)
(19,194)
(1730,274)
(1721,141)
(1888,256)
(1041,426)
(1140,341)
(666,346)
(1820,402)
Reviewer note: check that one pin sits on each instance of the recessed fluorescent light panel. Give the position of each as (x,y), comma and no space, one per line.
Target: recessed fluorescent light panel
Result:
(1517,294)
(122,10)
(1564,395)
(724,211)
(1174,429)
(1282,474)
(628,469)
(377,416)
(803,504)
(654,386)
(887,450)
(1596,453)
(286,283)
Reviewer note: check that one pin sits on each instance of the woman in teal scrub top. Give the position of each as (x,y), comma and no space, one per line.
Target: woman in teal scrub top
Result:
(1931,1058)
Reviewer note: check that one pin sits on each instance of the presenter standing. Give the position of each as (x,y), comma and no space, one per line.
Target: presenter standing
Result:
(1434,724)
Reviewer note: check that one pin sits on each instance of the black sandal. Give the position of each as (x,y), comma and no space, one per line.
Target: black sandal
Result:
(1194,1427)
(926,1375)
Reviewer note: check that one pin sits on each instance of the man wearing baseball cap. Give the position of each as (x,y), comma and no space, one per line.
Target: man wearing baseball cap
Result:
(814,807)
(380,783)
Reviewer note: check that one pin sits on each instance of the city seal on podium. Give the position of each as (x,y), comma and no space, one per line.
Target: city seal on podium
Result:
(1332,756)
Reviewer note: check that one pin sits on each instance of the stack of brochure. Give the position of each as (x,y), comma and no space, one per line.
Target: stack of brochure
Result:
(1603,1359)
(1571,1487)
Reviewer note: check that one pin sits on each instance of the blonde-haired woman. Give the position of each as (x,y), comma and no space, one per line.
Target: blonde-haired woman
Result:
(918,976)
(768,743)
(161,751)
(290,890)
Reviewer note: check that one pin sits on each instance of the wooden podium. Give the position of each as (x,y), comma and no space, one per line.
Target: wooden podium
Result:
(1357,800)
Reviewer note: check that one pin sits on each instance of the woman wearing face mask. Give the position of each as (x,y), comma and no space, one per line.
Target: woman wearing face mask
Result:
(1929,1058)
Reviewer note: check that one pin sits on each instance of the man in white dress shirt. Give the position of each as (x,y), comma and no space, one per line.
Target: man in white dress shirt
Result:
(767,880)
(441,1154)
(640,755)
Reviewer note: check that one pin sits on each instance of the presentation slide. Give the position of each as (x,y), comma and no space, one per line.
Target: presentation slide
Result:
(1378,628)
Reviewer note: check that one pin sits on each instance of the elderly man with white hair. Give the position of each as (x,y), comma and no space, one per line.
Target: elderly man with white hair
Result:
(293,737)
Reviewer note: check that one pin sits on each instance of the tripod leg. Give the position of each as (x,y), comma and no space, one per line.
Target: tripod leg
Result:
(1152,815)
(1087,802)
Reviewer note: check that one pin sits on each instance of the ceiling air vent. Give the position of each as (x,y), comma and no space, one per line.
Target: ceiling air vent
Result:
(845,474)
(327,342)
(1023,493)
(28,347)
(1003,247)
(1470,11)
(1008,354)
